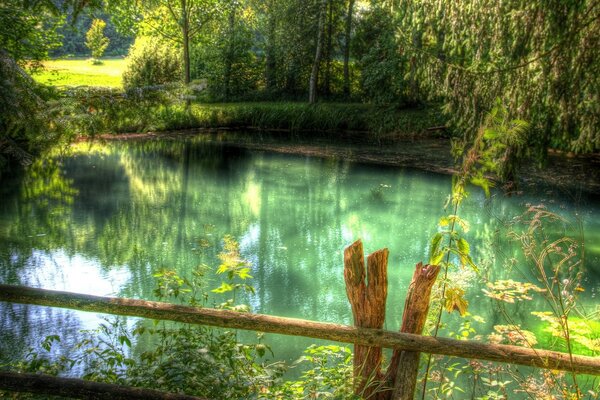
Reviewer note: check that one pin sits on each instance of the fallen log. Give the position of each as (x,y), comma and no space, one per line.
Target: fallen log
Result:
(81,389)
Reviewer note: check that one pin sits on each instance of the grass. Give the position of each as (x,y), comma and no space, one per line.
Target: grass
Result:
(106,111)
(81,72)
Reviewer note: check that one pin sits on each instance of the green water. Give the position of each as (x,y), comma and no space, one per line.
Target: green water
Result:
(105,218)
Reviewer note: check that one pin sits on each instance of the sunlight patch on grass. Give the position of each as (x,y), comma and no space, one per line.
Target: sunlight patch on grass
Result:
(81,72)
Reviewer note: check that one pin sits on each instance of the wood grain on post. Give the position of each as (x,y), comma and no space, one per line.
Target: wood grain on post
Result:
(404,365)
(367,292)
(469,349)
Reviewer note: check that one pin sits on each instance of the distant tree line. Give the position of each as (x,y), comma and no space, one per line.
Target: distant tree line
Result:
(540,60)
(73,36)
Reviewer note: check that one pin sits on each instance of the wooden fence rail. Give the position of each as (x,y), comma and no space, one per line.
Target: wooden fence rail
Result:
(297,327)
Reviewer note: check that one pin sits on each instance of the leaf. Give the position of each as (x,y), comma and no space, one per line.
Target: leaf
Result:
(463,246)
(454,300)
(435,254)
(470,263)
(464,250)
(124,340)
(260,349)
(225,287)
(243,273)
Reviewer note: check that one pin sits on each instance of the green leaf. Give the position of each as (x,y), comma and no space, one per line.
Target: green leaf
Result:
(435,254)
(463,247)
(124,340)
(243,273)
(225,287)
(249,289)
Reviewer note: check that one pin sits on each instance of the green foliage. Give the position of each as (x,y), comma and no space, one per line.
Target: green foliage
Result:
(95,39)
(191,359)
(91,111)
(73,35)
(223,57)
(237,271)
(30,118)
(584,333)
(151,62)
(382,66)
(21,38)
(490,152)
(537,56)
(328,376)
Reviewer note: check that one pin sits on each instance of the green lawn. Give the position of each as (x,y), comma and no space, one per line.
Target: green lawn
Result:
(79,72)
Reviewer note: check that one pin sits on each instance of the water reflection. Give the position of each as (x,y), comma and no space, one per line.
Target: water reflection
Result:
(104,219)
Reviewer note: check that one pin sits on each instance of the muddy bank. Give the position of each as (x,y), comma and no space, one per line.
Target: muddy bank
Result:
(573,175)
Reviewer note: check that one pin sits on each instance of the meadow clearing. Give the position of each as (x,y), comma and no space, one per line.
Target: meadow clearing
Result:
(81,72)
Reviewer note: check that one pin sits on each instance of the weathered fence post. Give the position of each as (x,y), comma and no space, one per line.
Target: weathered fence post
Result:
(404,365)
(367,292)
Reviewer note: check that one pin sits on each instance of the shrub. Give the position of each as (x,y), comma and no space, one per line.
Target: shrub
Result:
(151,62)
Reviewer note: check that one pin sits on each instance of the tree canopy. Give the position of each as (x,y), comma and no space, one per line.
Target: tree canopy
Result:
(539,59)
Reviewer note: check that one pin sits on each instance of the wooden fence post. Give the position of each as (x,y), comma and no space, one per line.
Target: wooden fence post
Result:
(404,365)
(367,293)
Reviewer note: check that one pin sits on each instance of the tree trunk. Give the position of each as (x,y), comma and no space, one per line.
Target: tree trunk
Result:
(230,51)
(271,61)
(347,48)
(417,43)
(185,31)
(312,89)
(327,83)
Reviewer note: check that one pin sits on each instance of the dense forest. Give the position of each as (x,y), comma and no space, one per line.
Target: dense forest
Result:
(494,85)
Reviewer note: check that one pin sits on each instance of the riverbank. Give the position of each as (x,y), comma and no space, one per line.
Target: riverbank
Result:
(571,174)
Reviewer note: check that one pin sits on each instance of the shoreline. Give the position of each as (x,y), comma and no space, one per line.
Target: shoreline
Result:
(565,171)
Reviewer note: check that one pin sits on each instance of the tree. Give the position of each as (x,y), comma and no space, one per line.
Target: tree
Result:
(312,89)
(24,127)
(179,21)
(95,39)
(348,32)
(539,57)
(223,54)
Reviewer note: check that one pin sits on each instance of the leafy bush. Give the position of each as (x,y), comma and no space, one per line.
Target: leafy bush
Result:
(151,62)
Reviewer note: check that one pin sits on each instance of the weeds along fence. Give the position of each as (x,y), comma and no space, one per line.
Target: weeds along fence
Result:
(367,299)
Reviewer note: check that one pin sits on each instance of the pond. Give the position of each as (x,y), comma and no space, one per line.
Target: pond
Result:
(105,218)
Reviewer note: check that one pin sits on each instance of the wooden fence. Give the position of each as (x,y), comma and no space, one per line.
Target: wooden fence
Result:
(368,305)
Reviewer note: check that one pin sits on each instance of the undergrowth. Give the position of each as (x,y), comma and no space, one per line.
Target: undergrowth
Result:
(193,359)
(172,107)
